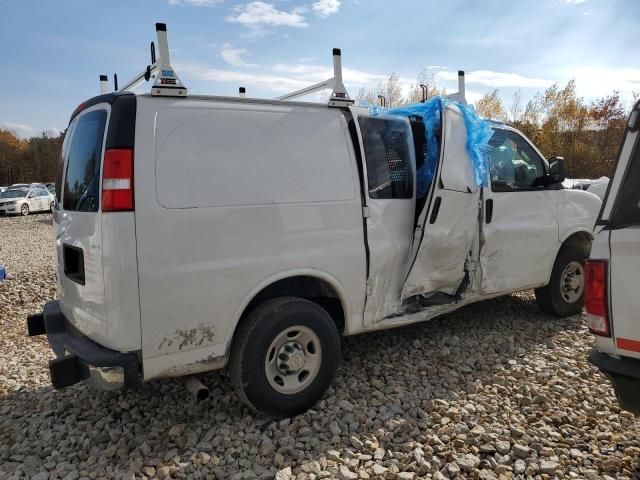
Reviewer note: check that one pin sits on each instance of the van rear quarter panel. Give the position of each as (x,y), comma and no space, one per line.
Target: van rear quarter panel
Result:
(230,197)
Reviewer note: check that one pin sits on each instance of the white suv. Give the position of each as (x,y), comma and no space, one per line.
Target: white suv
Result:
(613,292)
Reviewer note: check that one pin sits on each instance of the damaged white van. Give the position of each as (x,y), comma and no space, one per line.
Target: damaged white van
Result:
(200,232)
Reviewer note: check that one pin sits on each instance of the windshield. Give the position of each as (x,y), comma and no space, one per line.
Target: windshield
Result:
(13,194)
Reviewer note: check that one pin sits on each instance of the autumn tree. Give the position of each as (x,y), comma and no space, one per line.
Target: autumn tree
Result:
(490,106)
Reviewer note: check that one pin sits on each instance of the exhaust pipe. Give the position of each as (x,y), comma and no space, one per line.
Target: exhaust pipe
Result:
(197,389)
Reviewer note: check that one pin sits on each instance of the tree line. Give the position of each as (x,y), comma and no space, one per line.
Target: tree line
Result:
(28,160)
(558,121)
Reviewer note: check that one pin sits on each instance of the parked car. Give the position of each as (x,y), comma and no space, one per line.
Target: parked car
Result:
(51,187)
(613,292)
(2,189)
(20,185)
(22,201)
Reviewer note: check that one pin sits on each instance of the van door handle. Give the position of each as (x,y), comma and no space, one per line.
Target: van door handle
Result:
(488,211)
(436,209)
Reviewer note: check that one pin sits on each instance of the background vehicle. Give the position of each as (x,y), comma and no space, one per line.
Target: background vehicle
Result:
(20,185)
(613,291)
(259,255)
(51,187)
(22,201)
(2,189)
(599,187)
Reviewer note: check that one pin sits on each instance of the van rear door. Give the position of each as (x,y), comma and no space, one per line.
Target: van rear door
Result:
(97,268)
(620,215)
(448,227)
(79,226)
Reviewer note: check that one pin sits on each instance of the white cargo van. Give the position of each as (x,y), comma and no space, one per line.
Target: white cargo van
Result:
(200,232)
(612,289)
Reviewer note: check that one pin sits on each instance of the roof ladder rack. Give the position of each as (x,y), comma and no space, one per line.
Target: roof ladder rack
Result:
(104,86)
(339,96)
(166,83)
(460,95)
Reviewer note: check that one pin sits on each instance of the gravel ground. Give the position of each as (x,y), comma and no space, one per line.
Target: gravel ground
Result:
(495,390)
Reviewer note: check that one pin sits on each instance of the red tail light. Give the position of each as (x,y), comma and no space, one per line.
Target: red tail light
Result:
(117,180)
(595,297)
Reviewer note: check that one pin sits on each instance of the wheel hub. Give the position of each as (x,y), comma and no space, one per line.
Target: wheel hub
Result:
(290,358)
(293,359)
(572,282)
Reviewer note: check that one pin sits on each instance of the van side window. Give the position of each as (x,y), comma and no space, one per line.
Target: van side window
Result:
(81,191)
(627,209)
(388,153)
(514,164)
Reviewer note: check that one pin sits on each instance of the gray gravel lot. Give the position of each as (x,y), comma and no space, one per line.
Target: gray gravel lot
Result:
(495,390)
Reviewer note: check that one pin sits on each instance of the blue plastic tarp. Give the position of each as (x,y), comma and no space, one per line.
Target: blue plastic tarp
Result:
(479,133)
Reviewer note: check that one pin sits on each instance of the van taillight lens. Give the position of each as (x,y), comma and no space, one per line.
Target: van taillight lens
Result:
(595,297)
(117,180)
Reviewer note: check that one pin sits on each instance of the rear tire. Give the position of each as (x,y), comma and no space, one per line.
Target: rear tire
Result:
(24,210)
(564,295)
(284,356)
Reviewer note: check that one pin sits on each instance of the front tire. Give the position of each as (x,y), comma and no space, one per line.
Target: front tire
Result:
(564,295)
(52,206)
(284,356)
(24,210)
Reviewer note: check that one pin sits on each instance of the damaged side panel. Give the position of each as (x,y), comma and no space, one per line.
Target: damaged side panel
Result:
(451,224)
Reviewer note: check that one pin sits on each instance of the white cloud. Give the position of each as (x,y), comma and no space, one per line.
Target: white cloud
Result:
(318,73)
(258,14)
(275,83)
(279,78)
(496,79)
(196,3)
(233,56)
(574,2)
(324,8)
(27,131)
(595,82)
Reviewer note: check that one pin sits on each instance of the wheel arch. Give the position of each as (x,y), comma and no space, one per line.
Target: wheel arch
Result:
(314,285)
(579,238)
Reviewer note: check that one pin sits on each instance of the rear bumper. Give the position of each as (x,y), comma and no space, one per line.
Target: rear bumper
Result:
(80,358)
(624,374)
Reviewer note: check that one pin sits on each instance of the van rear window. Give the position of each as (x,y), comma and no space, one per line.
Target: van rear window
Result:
(83,156)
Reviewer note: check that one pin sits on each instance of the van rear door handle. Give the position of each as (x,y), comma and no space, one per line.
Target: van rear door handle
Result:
(436,209)
(488,211)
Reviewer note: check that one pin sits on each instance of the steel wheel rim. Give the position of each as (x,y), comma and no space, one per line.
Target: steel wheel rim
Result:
(24,209)
(293,360)
(572,282)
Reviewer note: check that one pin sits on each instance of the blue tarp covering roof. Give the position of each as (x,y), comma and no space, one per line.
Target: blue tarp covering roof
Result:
(479,132)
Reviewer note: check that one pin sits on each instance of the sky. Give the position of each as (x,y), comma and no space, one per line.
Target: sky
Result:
(53,51)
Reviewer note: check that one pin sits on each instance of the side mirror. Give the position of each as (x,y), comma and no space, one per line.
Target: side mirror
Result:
(557,172)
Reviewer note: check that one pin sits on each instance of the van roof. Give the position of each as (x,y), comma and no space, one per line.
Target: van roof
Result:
(111,97)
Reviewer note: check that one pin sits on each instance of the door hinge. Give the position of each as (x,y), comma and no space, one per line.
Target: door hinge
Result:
(370,285)
(366,212)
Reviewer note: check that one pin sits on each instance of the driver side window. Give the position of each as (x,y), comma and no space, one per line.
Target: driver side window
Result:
(514,164)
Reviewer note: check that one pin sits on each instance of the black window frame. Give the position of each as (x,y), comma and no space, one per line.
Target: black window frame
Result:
(538,182)
(375,189)
(620,216)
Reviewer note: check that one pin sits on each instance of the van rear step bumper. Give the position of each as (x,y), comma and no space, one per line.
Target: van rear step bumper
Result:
(624,374)
(80,358)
